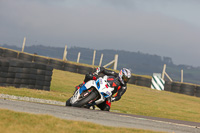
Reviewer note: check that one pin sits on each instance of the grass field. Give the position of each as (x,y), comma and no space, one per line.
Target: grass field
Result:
(15,122)
(137,100)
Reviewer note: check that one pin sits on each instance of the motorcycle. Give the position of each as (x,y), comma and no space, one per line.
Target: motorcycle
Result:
(91,93)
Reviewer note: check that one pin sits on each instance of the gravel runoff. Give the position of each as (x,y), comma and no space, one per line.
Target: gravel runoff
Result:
(31,99)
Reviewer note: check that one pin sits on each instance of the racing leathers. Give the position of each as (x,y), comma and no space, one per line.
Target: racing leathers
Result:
(113,81)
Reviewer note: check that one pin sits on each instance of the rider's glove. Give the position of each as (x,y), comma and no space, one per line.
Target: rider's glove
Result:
(112,99)
(97,71)
(95,77)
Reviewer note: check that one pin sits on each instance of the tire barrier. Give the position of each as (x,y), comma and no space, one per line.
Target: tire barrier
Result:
(84,70)
(70,67)
(187,89)
(35,72)
(1,52)
(22,74)
(168,86)
(40,59)
(25,57)
(176,87)
(142,81)
(10,53)
(133,79)
(57,64)
(197,93)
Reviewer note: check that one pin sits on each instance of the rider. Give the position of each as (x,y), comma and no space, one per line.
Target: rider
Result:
(115,80)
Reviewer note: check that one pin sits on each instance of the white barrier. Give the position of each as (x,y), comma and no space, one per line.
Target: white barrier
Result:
(157,82)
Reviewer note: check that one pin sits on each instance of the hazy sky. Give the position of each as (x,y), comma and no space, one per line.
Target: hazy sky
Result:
(164,27)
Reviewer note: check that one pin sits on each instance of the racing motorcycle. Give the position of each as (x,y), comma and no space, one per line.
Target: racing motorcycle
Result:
(91,93)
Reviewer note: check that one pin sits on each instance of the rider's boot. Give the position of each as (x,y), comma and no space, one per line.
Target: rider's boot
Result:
(93,107)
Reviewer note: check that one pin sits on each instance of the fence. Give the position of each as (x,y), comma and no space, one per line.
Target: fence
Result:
(113,63)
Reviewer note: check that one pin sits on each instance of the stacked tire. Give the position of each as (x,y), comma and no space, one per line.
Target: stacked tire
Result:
(25,57)
(1,52)
(197,93)
(22,74)
(4,65)
(168,86)
(40,59)
(10,53)
(84,69)
(187,89)
(176,87)
(133,80)
(71,67)
(57,64)
(143,81)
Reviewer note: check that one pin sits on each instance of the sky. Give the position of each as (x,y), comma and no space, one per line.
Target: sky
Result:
(169,28)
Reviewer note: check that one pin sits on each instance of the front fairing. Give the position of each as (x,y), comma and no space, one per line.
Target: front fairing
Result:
(82,89)
(104,90)
(101,87)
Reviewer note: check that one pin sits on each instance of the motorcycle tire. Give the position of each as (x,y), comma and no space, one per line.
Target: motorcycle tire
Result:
(86,99)
(25,57)
(68,102)
(1,51)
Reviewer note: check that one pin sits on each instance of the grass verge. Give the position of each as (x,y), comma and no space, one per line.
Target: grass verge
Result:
(16,122)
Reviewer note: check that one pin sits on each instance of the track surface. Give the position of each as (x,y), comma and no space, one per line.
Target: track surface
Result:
(103,118)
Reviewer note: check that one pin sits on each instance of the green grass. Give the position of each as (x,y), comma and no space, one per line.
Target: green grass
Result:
(137,100)
(148,102)
(16,122)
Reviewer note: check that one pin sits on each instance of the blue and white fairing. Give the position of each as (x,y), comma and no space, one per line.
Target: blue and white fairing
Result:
(101,85)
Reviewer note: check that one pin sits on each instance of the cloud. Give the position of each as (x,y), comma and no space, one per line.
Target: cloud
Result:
(103,24)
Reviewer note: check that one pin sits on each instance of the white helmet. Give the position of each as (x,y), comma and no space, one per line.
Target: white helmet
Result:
(124,75)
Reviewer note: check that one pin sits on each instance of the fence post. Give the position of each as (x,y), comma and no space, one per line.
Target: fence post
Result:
(100,62)
(182,75)
(113,63)
(110,63)
(163,73)
(94,57)
(24,42)
(65,53)
(168,77)
(79,54)
(116,61)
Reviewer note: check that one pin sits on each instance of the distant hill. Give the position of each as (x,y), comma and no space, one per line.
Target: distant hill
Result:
(140,63)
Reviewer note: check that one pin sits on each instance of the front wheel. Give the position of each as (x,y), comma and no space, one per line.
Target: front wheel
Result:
(68,102)
(93,95)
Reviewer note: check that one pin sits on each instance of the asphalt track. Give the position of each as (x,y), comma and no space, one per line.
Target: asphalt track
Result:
(103,118)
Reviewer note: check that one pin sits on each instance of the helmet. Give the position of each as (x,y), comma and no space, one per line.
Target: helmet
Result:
(124,75)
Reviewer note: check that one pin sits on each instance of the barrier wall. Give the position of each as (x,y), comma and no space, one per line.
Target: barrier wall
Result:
(22,74)
(183,88)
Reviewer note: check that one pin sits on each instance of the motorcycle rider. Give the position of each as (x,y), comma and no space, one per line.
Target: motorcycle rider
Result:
(116,80)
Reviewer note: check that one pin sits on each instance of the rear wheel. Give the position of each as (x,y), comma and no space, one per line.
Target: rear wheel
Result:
(86,99)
